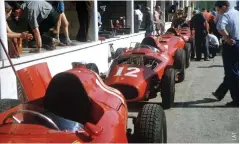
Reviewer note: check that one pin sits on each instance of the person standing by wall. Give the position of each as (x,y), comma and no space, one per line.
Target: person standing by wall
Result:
(101,10)
(138,16)
(157,19)
(228,27)
(149,24)
(59,7)
(172,10)
(83,12)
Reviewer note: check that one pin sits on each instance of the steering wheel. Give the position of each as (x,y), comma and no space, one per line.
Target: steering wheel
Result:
(11,115)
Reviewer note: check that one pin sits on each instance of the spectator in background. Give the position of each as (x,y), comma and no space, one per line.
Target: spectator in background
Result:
(178,18)
(228,27)
(59,7)
(172,10)
(83,10)
(149,24)
(237,6)
(213,45)
(208,16)
(41,17)
(101,10)
(158,20)
(193,50)
(214,13)
(138,17)
(12,41)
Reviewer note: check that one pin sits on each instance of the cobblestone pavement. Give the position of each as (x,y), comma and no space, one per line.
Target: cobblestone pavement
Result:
(196,116)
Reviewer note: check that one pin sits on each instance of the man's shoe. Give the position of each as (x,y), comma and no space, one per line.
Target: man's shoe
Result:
(232,104)
(219,98)
(206,59)
(197,59)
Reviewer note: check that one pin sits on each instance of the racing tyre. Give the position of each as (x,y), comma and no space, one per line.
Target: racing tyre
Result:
(6,104)
(118,52)
(180,64)
(168,88)
(187,48)
(150,126)
(93,67)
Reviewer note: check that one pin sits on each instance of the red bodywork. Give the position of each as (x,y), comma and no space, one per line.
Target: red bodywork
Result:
(138,81)
(185,33)
(107,122)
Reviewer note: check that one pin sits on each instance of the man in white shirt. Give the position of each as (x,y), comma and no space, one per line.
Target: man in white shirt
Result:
(138,18)
(213,44)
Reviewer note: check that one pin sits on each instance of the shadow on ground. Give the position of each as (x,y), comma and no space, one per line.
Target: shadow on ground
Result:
(211,66)
(135,107)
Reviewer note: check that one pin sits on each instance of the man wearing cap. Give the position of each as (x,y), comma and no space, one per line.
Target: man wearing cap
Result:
(228,27)
(100,12)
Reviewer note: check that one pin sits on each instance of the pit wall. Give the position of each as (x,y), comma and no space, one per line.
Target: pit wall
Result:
(60,60)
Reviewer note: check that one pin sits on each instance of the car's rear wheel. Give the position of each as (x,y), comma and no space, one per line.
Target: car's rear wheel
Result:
(150,126)
(118,52)
(168,88)
(6,104)
(187,48)
(180,64)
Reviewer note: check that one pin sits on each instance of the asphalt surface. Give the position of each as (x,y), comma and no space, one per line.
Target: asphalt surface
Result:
(196,116)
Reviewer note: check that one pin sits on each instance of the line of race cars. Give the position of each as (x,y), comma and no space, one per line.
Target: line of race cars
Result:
(80,105)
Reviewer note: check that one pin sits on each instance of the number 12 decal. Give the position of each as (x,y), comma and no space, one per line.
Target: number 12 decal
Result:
(132,71)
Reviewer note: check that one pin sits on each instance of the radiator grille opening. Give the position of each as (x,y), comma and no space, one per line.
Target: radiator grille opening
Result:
(129,92)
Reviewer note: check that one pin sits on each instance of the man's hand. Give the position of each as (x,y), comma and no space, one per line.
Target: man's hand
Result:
(229,41)
(26,35)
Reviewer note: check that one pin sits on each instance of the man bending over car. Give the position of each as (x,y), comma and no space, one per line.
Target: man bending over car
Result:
(41,17)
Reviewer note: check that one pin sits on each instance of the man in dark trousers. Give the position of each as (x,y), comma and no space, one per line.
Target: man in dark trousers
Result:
(149,24)
(228,27)
(199,24)
(83,11)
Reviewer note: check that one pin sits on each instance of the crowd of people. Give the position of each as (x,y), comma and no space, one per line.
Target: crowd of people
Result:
(209,31)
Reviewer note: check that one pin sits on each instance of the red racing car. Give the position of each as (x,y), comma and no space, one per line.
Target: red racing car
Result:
(75,106)
(141,72)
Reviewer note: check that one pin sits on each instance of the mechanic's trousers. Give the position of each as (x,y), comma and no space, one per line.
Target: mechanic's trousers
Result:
(84,19)
(201,46)
(231,67)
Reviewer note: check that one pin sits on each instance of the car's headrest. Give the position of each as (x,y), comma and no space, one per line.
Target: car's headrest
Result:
(149,41)
(66,97)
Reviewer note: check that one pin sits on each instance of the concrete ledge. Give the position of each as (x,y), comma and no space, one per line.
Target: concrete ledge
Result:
(30,57)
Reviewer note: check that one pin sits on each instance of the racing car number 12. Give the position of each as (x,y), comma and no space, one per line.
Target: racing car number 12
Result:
(132,72)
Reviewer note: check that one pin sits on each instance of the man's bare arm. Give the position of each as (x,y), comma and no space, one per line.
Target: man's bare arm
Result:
(37,37)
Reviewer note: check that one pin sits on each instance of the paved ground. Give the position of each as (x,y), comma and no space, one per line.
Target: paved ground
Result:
(196,116)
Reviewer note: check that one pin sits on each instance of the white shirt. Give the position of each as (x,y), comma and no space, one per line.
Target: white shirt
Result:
(212,39)
(139,14)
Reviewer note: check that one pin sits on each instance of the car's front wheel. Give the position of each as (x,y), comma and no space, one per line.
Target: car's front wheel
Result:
(168,88)
(150,126)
